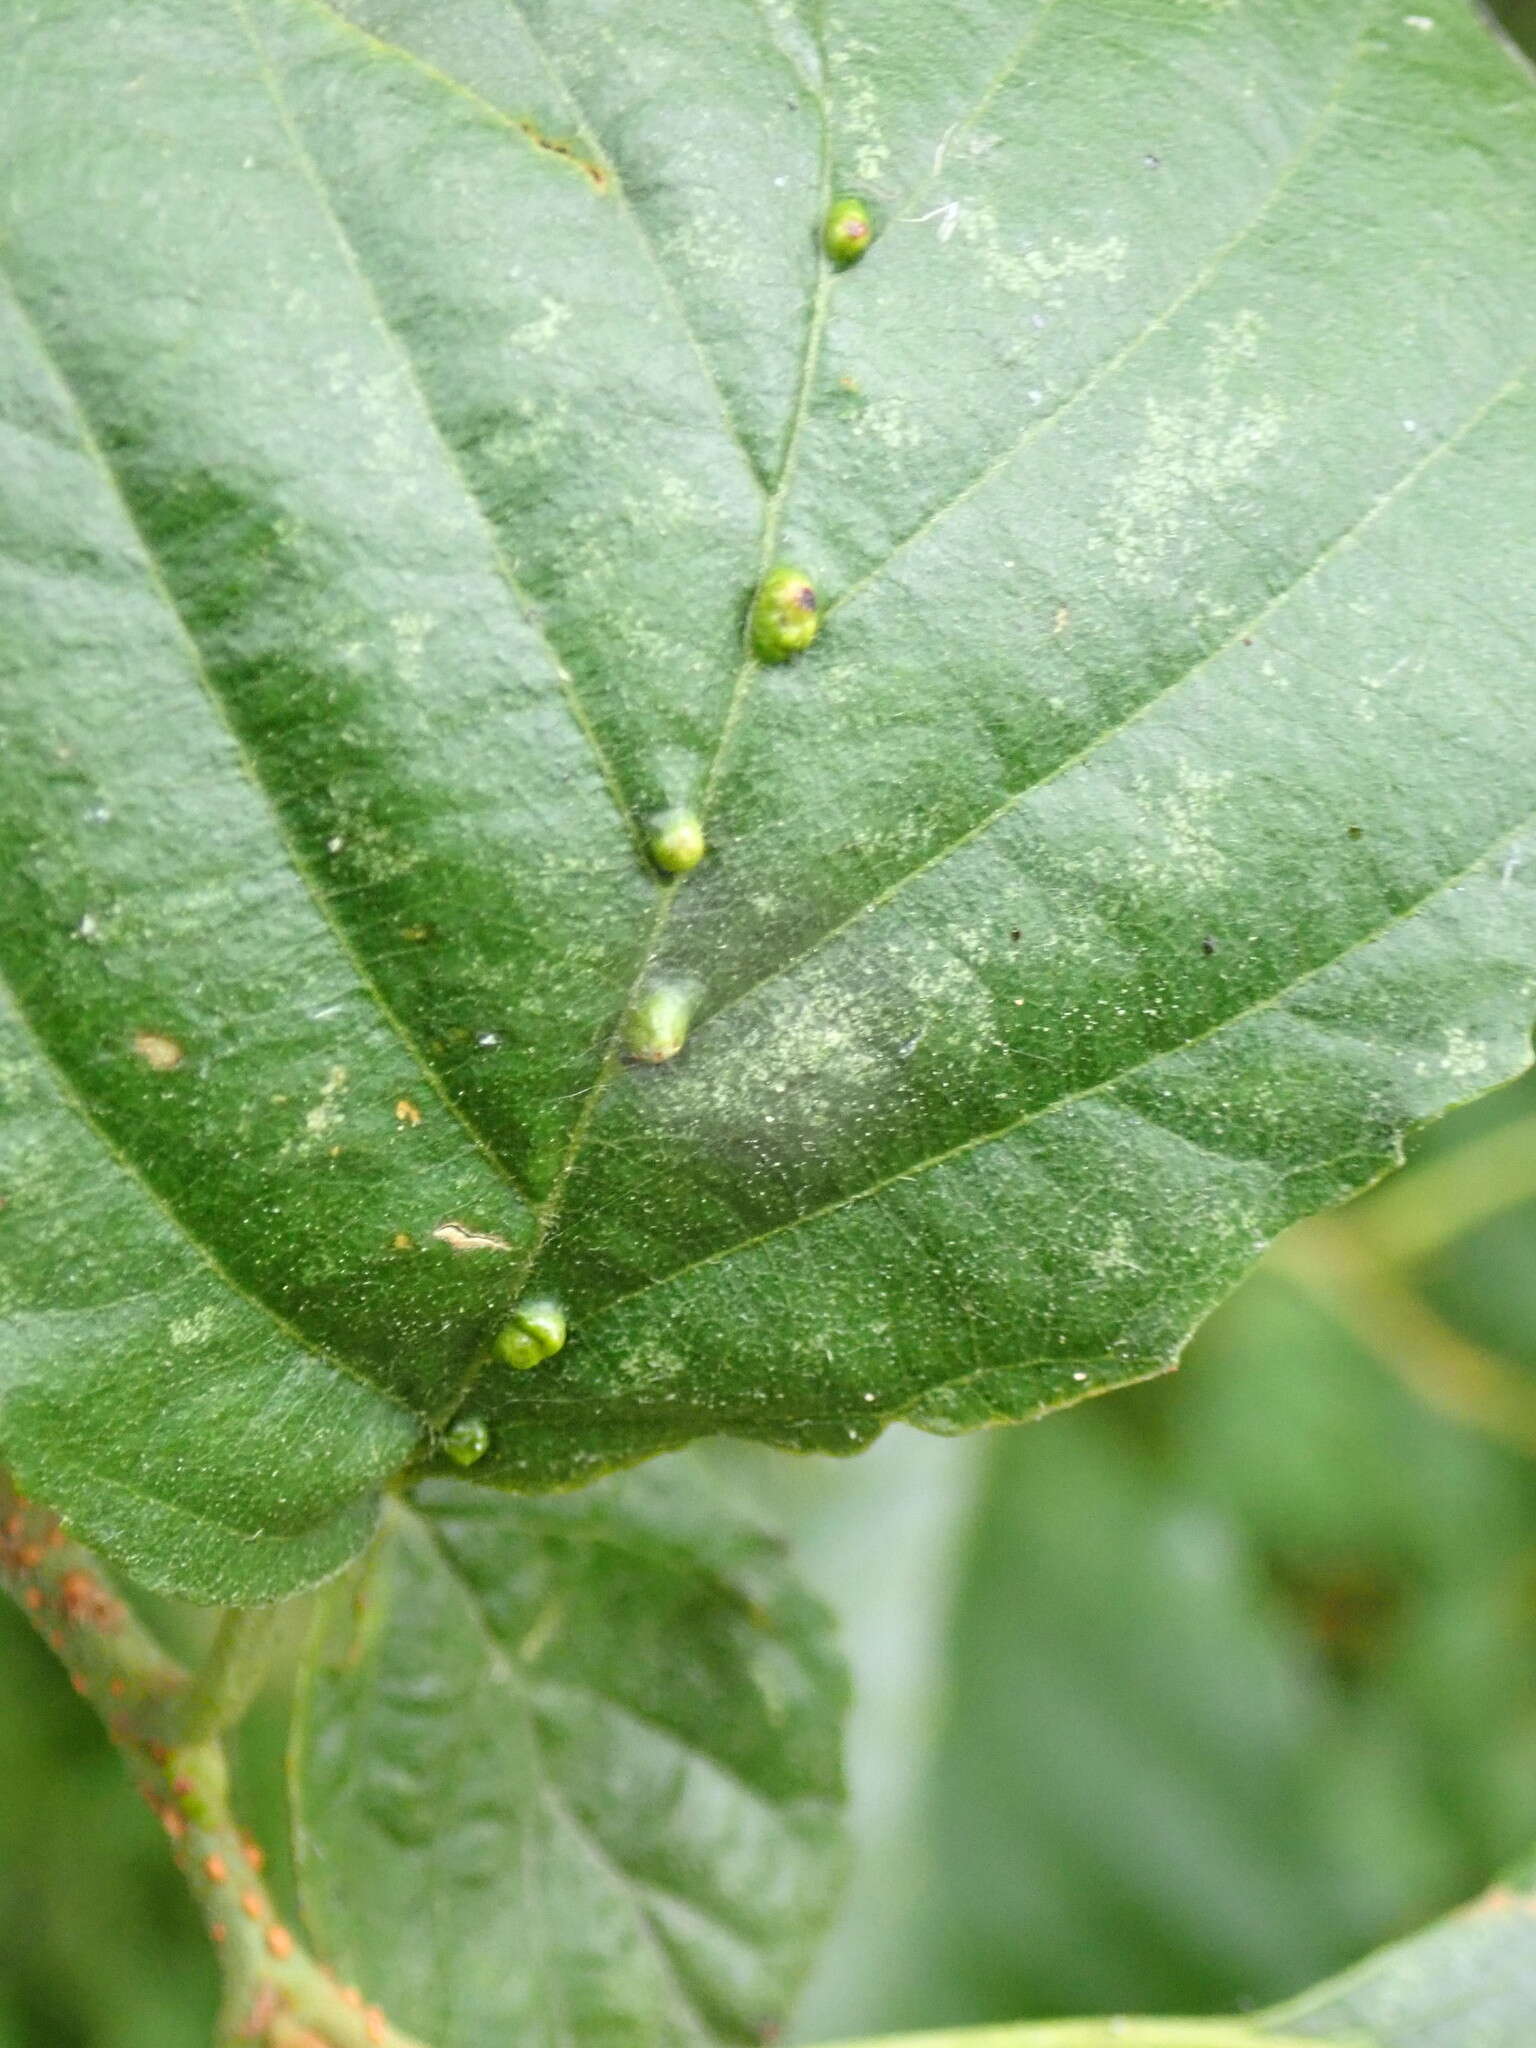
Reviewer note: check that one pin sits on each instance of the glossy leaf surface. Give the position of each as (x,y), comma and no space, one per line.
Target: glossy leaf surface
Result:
(570,1769)
(402,405)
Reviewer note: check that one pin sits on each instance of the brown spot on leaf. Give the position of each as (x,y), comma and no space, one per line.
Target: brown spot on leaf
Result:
(407,1112)
(157,1051)
(458,1239)
(594,173)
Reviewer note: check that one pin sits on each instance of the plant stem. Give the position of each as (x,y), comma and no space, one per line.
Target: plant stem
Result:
(275,1994)
(229,1679)
(1334,1263)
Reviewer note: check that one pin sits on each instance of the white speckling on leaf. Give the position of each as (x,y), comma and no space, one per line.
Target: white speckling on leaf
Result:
(1465,1058)
(1194,451)
(536,337)
(196,1328)
(327,1113)
(888,421)
(860,108)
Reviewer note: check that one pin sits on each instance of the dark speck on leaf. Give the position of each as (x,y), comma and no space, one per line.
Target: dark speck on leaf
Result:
(1207,947)
(1015,936)
(1355,832)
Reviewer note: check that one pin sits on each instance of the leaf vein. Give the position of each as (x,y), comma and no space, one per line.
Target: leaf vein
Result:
(324,902)
(81,1108)
(1211,268)
(1346,537)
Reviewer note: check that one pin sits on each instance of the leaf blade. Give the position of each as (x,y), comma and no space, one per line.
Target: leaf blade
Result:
(645,1814)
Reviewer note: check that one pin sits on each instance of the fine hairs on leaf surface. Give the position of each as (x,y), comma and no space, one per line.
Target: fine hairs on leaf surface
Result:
(1140,847)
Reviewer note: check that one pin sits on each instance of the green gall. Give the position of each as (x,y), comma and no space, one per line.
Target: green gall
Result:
(848,232)
(785,615)
(515,1347)
(544,1321)
(536,1332)
(676,841)
(656,1028)
(467,1440)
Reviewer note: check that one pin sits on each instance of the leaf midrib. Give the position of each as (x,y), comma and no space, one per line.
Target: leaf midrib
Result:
(507,1677)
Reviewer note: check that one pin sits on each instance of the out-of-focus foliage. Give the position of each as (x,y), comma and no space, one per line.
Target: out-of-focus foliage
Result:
(1239,1670)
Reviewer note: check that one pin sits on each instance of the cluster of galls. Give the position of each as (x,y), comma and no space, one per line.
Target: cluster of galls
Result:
(785,618)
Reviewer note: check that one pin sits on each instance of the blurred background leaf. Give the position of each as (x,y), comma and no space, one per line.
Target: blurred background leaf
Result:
(1239,1668)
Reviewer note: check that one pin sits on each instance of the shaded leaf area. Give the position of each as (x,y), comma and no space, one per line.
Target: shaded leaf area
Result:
(570,1769)
(1141,847)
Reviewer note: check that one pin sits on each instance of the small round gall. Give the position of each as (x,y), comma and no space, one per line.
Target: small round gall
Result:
(786,615)
(676,841)
(848,232)
(467,1440)
(656,1029)
(536,1332)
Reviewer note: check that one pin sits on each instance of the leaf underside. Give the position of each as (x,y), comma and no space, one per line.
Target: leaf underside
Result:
(569,1769)
(399,408)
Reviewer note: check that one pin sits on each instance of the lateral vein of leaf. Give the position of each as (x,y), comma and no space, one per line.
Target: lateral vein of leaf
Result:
(655,1939)
(658,1555)
(810,85)
(1342,540)
(489,110)
(779,1809)
(549,1210)
(310,881)
(643,235)
(1064,1102)
(1210,269)
(74,1100)
(921,186)
(502,1666)
(310,171)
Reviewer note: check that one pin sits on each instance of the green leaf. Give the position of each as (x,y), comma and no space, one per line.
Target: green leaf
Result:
(1468,1982)
(402,407)
(570,1769)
